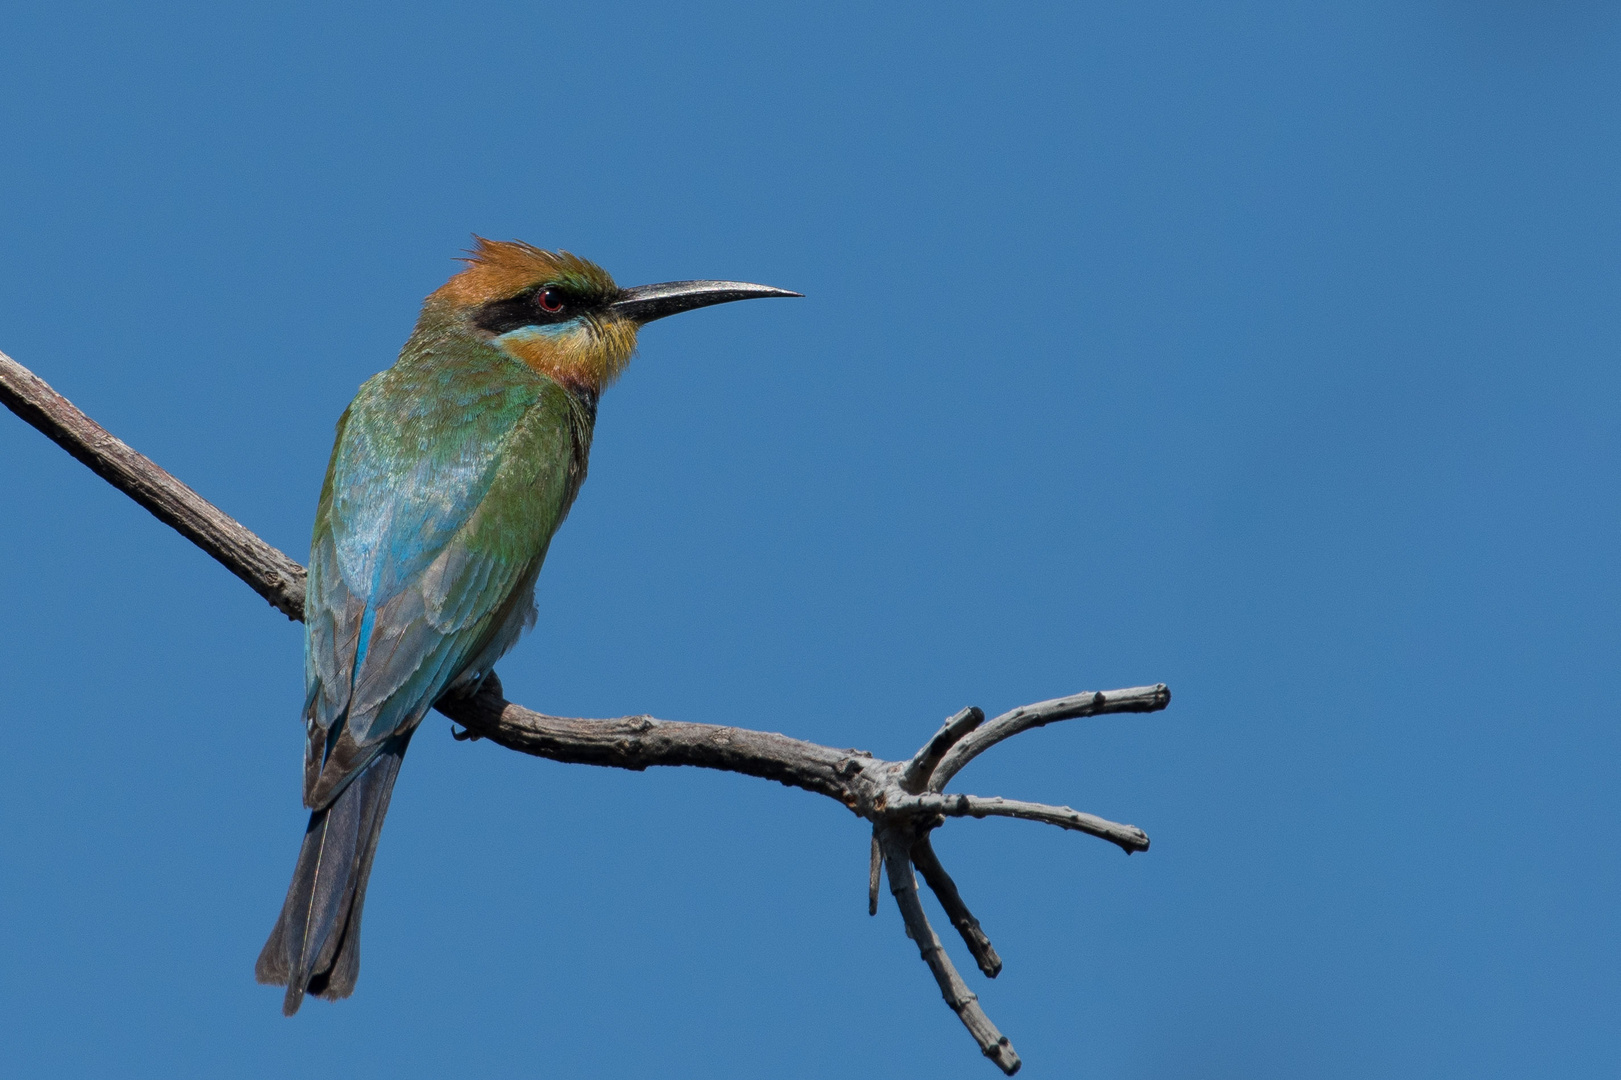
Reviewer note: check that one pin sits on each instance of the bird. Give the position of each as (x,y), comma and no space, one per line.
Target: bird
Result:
(450,472)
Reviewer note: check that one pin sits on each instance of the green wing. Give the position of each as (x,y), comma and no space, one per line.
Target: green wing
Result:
(450,473)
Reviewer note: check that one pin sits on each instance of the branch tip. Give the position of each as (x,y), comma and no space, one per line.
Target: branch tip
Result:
(951,901)
(1092,703)
(916,775)
(993,1044)
(1127,837)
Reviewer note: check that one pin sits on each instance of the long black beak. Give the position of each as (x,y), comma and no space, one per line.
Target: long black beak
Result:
(644,303)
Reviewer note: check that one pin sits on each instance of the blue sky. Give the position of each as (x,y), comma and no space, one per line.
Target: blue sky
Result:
(1265,350)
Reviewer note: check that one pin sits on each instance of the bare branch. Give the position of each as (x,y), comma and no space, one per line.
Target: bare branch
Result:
(1025,717)
(267,571)
(922,765)
(641,742)
(1128,837)
(897,845)
(945,890)
(874,864)
(901,799)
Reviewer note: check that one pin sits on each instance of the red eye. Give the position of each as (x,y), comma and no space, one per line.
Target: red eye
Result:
(550,300)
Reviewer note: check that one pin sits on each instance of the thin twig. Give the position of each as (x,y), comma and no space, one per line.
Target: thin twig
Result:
(917,772)
(874,864)
(945,890)
(897,845)
(1128,837)
(1025,717)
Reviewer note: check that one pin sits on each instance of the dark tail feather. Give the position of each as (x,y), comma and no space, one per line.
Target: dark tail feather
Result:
(315,946)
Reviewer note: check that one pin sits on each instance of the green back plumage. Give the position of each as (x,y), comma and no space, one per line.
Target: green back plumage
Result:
(450,473)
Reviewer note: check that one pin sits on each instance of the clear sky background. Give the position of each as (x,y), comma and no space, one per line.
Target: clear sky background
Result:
(1265,350)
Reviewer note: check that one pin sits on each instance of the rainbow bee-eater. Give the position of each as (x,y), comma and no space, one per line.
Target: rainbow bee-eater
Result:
(449,474)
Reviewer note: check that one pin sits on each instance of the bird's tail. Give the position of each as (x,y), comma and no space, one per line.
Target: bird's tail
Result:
(315,946)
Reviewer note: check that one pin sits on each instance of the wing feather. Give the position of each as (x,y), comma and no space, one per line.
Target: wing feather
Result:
(436,515)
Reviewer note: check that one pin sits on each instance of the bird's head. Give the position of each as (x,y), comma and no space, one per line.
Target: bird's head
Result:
(562,315)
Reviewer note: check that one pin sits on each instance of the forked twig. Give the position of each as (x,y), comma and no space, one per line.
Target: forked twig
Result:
(1025,717)
(896,841)
(924,763)
(902,799)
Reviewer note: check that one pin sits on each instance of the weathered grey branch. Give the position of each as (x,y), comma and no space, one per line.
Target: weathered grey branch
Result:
(1025,717)
(896,840)
(642,742)
(945,890)
(874,864)
(267,571)
(1129,837)
(916,775)
(902,799)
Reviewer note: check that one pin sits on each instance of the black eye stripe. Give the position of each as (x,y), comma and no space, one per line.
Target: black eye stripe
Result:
(527,309)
